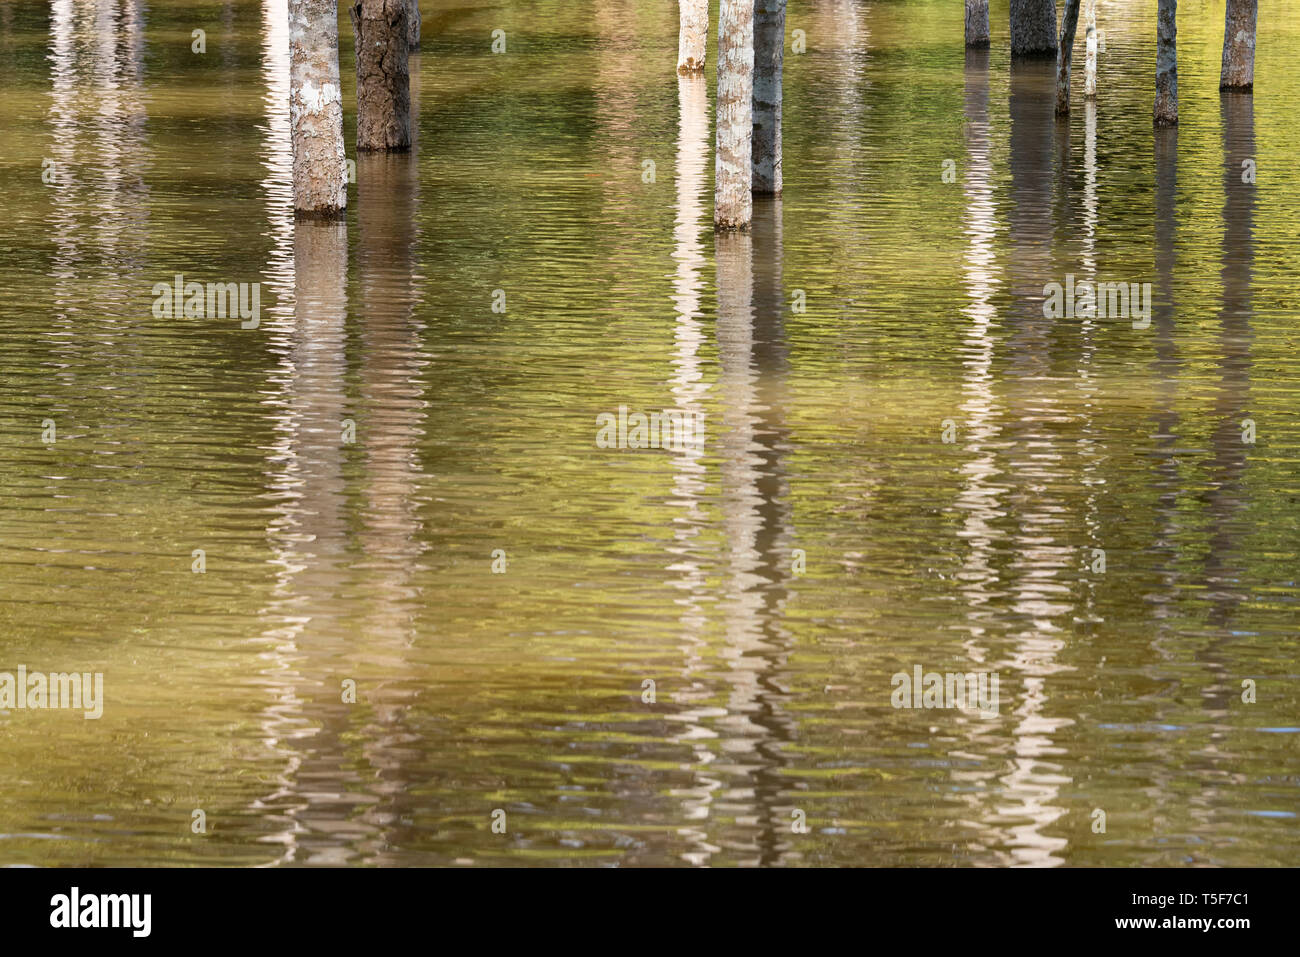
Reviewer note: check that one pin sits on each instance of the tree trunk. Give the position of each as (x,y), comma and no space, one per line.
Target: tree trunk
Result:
(733,206)
(977,23)
(383,83)
(1090,69)
(413,24)
(769,51)
(1238,71)
(320,179)
(1064,54)
(1166,112)
(693,16)
(1033,27)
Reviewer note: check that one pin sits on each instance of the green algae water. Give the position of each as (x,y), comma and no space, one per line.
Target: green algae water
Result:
(361,582)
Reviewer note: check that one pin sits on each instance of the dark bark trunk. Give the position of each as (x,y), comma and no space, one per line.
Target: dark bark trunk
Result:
(383,81)
(413,24)
(1064,53)
(1033,28)
(769,48)
(977,23)
(1166,110)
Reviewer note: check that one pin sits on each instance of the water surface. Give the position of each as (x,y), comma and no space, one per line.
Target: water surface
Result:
(475,431)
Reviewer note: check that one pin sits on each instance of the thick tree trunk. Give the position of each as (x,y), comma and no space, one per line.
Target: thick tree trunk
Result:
(769,51)
(693,18)
(733,206)
(383,83)
(977,23)
(1238,71)
(1033,27)
(1064,54)
(320,179)
(1090,41)
(1166,111)
(413,24)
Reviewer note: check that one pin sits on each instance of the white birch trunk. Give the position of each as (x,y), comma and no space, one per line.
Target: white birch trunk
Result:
(320,187)
(694,35)
(1090,42)
(733,206)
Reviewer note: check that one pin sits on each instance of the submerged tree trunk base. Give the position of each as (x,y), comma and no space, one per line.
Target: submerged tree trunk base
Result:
(320,182)
(413,24)
(1166,108)
(693,36)
(383,77)
(733,204)
(320,215)
(977,23)
(1033,29)
(1238,72)
(1064,54)
(1090,44)
(769,52)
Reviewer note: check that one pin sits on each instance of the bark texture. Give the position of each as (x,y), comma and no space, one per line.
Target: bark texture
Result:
(1064,53)
(1238,71)
(413,24)
(977,23)
(1166,110)
(733,206)
(383,80)
(693,36)
(320,179)
(769,51)
(1090,42)
(1033,27)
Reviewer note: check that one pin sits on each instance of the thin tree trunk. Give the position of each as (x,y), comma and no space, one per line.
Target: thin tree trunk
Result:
(1166,111)
(413,24)
(1090,69)
(1064,54)
(693,17)
(977,23)
(769,51)
(320,179)
(383,81)
(1238,71)
(1033,27)
(733,206)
